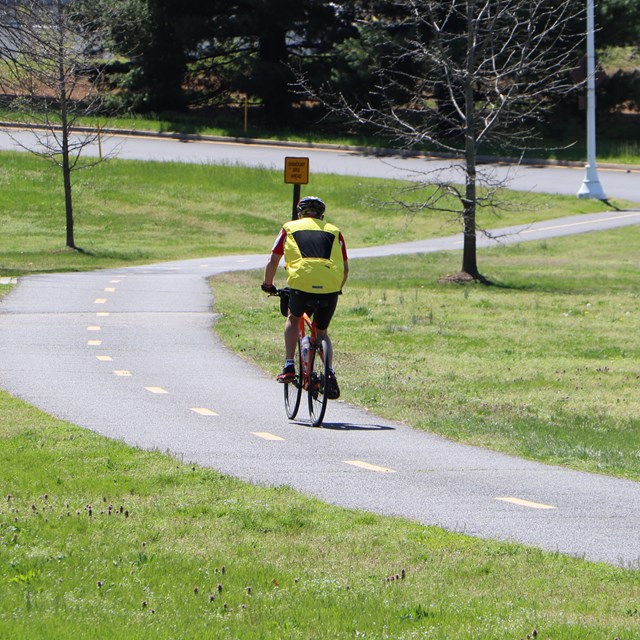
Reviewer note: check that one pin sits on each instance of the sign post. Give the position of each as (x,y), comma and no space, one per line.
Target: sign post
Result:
(296,172)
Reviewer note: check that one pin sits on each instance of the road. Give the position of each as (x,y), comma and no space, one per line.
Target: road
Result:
(621,183)
(130,354)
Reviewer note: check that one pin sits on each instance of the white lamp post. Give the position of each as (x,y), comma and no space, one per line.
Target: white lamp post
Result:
(591,187)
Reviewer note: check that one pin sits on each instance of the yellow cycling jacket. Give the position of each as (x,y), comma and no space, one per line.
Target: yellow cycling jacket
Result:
(313,256)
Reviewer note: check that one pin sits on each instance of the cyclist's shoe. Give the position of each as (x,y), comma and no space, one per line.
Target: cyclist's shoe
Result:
(288,374)
(333,390)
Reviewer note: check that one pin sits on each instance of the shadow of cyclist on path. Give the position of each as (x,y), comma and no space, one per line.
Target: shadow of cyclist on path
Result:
(348,426)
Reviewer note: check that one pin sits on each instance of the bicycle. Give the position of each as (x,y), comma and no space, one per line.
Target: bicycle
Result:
(312,370)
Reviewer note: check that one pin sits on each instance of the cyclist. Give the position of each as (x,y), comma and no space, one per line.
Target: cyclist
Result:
(317,267)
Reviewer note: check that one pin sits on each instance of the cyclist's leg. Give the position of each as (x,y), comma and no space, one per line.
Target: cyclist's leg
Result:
(332,388)
(323,335)
(290,343)
(323,316)
(297,305)
(291,329)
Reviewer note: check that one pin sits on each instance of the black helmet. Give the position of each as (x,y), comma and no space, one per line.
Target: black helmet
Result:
(311,206)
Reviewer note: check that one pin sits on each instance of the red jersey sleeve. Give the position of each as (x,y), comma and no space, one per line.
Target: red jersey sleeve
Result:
(344,248)
(278,245)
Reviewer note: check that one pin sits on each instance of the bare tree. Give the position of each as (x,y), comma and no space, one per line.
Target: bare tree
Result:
(474,74)
(50,80)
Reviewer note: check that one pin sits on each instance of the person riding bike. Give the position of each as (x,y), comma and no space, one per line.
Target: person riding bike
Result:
(317,267)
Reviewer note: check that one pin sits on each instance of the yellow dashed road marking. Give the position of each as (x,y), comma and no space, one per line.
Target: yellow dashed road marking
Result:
(122,373)
(156,390)
(266,436)
(102,314)
(94,343)
(110,289)
(93,327)
(369,467)
(114,281)
(99,301)
(104,358)
(203,411)
(526,503)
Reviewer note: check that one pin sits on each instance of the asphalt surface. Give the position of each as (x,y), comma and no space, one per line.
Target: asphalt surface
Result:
(130,354)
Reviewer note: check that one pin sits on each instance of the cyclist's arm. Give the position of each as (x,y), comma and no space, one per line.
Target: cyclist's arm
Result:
(346,274)
(345,260)
(271,269)
(276,254)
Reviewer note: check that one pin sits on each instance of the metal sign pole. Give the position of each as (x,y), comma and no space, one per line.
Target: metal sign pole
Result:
(296,199)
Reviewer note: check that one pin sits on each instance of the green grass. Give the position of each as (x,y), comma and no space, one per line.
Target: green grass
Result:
(100,540)
(141,212)
(543,365)
(289,566)
(610,151)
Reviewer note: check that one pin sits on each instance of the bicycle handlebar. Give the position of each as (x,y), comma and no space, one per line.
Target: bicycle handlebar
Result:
(279,293)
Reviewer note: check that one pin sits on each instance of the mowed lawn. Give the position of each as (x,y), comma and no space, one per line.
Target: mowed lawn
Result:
(141,212)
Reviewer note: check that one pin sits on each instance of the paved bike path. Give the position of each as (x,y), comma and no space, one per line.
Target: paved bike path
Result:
(130,354)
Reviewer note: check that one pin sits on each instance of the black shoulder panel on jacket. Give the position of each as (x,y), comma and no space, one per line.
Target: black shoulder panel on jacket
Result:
(314,244)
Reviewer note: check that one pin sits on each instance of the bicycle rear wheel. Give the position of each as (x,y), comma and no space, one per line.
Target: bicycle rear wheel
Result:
(293,390)
(318,384)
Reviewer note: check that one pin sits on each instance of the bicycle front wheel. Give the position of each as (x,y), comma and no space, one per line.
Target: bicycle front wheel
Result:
(318,384)
(293,390)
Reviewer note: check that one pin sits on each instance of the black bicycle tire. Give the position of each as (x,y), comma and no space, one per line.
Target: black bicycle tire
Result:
(293,390)
(318,406)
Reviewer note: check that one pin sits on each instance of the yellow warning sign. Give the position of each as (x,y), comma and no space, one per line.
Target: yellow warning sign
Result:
(296,170)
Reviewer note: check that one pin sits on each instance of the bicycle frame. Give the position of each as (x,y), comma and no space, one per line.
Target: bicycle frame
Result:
(306,324)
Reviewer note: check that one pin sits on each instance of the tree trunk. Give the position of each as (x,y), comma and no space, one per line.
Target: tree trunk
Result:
(64,119)
(68,199)
(469,255)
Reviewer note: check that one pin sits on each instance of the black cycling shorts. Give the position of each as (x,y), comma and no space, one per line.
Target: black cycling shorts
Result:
(324,304)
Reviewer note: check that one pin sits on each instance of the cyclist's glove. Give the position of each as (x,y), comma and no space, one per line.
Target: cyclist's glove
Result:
(269,288)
